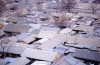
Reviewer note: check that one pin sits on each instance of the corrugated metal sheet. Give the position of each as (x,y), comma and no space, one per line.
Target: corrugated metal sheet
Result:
(39,54)
(83,28)
(46,34)
(50,44)
(20,61)
(19,28)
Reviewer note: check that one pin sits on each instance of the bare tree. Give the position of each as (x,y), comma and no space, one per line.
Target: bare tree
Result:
(66,4)
(94,8)
(21,12)
(2,7)
(60,21)
(39,6)
(5,45)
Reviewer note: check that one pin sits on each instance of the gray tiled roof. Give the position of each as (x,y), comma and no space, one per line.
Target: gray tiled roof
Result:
(19,28)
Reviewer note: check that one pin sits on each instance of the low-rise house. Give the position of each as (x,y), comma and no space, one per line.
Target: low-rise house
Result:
(13,48)
(13,39)
(46,34)
(42,41)
(87,55)
(65,31)
(35,26)
(29,39)
(50,44)
(20,61)
(21,36)
(82,40)
(50,28)
(40,54)
(1,33)
(82,28)
(16,28)
(15,20)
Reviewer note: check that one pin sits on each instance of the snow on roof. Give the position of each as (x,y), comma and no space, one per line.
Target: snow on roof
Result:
(20,61)
(39,54)
(21,36)
(41,63)
(28,39)
(46,34)
(42,40)
(65,31)
(50,44)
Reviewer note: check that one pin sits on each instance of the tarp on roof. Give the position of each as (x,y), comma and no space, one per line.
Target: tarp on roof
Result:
(39,54)
(50,44)
(19,28)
